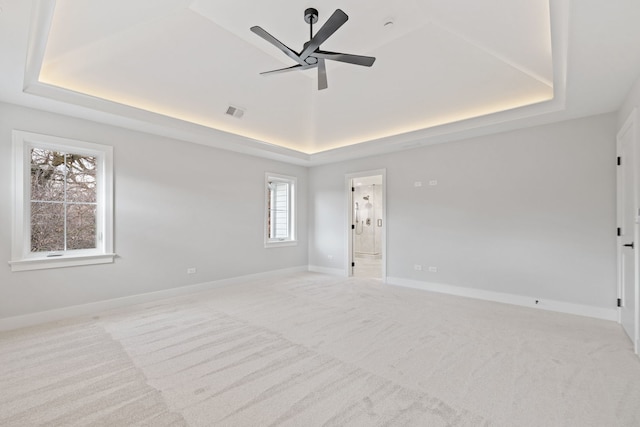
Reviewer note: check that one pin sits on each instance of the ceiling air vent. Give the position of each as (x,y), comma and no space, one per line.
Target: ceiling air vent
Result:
(235,112)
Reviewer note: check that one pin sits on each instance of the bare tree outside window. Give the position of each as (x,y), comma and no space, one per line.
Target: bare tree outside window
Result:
(63,201)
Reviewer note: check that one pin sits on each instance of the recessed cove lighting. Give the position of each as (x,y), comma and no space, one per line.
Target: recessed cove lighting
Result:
(76,57)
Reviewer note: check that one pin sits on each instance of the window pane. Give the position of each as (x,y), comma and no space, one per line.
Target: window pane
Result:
(81,227)
(81,178)
(64,178)
(47,227)
(281,228)
(279,210)
(47,175)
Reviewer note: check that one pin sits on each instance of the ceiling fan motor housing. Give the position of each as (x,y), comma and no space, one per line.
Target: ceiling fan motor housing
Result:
(311,16)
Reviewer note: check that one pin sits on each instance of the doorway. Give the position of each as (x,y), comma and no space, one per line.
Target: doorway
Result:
(628,230)
(367,225)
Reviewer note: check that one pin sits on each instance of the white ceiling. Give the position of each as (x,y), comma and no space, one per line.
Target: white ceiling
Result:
(445,69)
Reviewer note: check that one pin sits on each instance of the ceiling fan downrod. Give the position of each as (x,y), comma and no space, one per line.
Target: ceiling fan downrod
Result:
(310,17)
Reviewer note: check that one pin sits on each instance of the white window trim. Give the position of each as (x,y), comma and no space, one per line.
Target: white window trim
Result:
(293,184)
(22,259)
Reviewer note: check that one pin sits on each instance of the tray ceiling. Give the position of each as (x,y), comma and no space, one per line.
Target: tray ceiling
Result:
(441,61)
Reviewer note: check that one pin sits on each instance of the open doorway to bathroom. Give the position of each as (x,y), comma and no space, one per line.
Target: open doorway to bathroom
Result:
(367,226)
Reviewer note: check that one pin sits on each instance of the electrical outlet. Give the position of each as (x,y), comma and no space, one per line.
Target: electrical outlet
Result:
(417,267)
(433,182)
(191,270)
(330,256)
(417,184)
(433,269)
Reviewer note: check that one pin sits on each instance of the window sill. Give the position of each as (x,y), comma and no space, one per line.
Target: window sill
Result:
(60,262)
(278,244)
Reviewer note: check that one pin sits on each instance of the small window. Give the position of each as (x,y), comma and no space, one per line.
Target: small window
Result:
(62,202)
(280,210)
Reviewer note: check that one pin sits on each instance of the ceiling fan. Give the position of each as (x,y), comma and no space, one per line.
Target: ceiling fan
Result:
(311,55)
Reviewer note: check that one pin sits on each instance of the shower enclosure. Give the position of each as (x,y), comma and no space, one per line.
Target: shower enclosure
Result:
(367,214)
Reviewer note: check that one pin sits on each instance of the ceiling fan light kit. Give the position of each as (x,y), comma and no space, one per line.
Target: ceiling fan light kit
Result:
(311,55)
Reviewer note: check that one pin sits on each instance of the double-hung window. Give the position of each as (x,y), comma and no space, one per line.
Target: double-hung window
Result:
(280,210)
(63,202)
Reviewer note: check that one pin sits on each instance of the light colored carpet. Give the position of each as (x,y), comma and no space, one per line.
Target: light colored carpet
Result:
(312,350)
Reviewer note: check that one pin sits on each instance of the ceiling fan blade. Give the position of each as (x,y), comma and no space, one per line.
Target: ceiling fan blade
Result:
(292,68)
(277,43)
(322,75)
(366,61)
(334,22)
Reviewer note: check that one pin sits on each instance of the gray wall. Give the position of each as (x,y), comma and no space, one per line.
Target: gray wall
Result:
(529,212)
(177,205)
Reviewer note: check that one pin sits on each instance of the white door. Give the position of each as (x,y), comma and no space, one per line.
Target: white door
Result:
(628,251)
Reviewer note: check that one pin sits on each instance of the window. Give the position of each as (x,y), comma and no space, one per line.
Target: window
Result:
(280,210)
(63,198)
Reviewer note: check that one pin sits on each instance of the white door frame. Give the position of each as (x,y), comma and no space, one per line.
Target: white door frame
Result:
(630,125)
(350,220)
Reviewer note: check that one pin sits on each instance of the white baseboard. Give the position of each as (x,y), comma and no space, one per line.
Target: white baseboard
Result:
(327,270)
(31,319)
(544,304)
